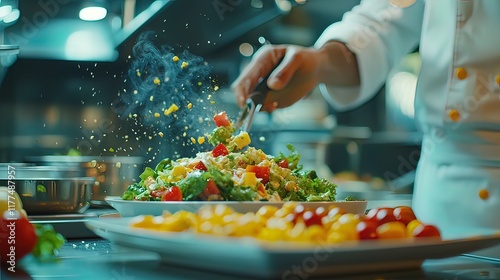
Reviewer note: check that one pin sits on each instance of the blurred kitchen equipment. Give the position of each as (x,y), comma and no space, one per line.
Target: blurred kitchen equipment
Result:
(113,174)
(48,189)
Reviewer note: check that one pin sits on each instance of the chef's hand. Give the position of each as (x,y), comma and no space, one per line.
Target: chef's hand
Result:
(296,71)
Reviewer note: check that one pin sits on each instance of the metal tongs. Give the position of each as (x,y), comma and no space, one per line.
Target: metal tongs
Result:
(254,104)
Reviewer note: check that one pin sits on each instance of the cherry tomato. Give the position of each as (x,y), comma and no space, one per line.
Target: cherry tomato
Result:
(210,190)
(158,193)
(424,230)
(17,236)
(221,119)
(391,230)
(367,230)
(283,163)
(381,215)
(261,172)
(220,150)
(311,218)
(404,214)
(172,194)
(200,166)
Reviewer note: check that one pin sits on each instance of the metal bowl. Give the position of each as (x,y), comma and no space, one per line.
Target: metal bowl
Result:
(113,174)
(53,195)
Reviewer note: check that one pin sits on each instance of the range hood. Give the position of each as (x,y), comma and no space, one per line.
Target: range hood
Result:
(54,31)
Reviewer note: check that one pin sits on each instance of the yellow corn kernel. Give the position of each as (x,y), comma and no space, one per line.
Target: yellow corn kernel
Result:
(348,230)
(315,233)
(156,81)
(193,140)
(201,140)
(175,222)
(250,179)
(160,134)
(157,115)
(190,105)
(175,58)
(144,221)
(171,109)
(391,230)
(241,140)
(179,170)
(267,211)
(184,64)
(411,226)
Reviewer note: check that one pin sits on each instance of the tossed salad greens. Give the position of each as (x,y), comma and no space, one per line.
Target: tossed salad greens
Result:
(232,171)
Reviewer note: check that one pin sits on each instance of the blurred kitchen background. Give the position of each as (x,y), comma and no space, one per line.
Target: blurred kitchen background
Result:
(64,68)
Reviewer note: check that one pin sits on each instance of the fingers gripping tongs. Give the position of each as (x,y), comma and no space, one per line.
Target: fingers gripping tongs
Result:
(254,104)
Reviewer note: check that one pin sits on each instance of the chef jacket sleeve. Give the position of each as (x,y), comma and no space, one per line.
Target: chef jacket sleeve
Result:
(379,34)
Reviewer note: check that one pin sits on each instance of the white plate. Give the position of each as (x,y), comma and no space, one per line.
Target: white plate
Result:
(284,260)
(130,208)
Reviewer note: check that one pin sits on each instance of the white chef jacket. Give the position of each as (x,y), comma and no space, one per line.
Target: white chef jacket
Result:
(457,102)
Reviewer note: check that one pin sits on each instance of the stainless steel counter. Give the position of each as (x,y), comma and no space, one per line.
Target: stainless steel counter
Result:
(100,259)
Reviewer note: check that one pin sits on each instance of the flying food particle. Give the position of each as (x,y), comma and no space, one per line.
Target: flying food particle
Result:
(157,115)
(118,164)
(111,150)
(171,109)
(156,81)
(216,88)
(151,98)
(200,84)
(193,140)
(160,134)
(184,134)
(138,72)
(135,91)
(190,105)
(262,138)
(184,64)
(201,140)
(93,163)
(175,58)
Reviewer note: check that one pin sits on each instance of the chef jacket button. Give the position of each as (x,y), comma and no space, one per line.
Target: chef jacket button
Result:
(461,73)
(484,194)
(454,115)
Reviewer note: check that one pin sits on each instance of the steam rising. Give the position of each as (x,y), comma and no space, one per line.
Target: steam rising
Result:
(171,93)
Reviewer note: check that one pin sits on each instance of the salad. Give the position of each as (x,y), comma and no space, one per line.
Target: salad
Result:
(231,171)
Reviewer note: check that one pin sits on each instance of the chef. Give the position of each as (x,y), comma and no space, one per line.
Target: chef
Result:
(457,103)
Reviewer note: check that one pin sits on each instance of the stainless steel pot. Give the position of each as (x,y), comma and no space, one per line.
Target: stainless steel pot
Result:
(55,195)
(48,189)
(113,174)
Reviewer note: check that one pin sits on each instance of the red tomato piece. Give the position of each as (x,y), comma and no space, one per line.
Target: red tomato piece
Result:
(200,166)
(381,215)
(221,119)
(404,214)
(158,193)
(210,190)
(172,194)
(261,172)
(283,163)
(426,231)
(367,230)
(220,150)
(311,218)
(25,236)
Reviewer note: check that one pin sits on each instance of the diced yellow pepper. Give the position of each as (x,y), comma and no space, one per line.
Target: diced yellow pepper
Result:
(241,140)
(178,170)
(250,179)
(171,109)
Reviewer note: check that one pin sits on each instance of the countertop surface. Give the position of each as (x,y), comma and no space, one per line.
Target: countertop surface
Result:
(101,259)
